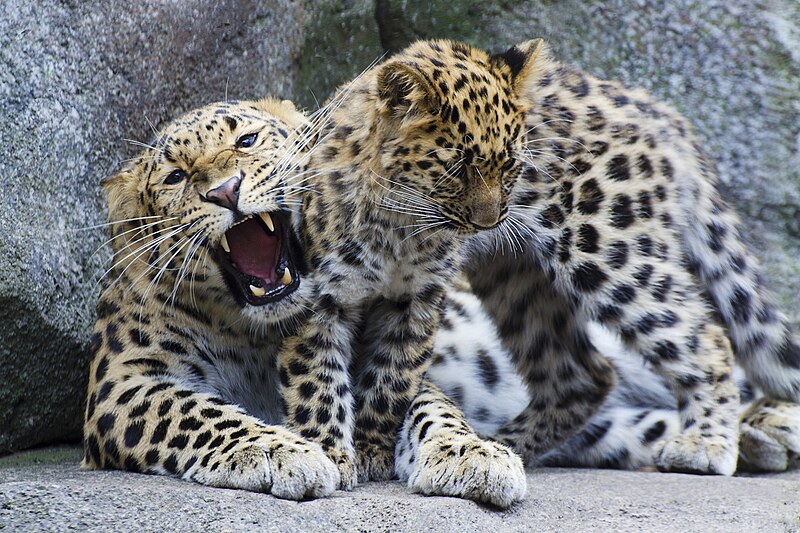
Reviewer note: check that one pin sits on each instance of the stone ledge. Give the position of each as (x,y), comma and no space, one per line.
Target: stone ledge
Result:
(44,490)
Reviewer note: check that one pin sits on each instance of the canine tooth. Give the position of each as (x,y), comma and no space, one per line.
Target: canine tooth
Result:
(224,243)
(258,291)
(287,276)
(267,220)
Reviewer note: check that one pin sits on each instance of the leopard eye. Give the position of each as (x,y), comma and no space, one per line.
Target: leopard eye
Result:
(246,141)
(175,177)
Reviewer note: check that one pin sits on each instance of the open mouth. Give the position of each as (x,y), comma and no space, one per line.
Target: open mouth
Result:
(260,258)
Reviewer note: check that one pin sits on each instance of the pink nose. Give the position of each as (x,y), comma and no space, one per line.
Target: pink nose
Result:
(227,194)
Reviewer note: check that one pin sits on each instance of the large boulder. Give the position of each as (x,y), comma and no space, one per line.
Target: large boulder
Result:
(77,79)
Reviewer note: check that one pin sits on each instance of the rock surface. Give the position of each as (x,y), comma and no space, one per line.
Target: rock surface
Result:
(44,490)
(76,79)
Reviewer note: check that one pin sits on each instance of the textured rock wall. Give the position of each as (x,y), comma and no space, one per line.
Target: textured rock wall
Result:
(77,78)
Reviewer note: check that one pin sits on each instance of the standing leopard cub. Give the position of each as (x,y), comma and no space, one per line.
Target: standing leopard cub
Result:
(617,220)
(415,155)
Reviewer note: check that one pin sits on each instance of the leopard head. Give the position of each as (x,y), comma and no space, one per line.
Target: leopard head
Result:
(454,123)
(201,216)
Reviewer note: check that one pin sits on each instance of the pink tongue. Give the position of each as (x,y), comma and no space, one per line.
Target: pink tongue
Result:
(253,251)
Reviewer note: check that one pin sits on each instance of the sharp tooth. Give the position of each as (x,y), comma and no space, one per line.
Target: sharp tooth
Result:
(258,291)
(268,221)
(287,276)
(224,243)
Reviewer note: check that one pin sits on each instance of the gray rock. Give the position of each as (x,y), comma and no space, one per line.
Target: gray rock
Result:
(44,490)
(76,79)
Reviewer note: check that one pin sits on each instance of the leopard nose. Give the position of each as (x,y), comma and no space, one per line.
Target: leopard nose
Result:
(227,194)
(485,213)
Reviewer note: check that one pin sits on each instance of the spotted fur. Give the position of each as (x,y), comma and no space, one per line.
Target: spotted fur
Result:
(184,379)
(414,155)
(617,220)
(472,368)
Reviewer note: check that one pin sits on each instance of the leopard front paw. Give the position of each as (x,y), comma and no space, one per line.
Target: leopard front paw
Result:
(346,466)
(285,469)
(469,467)
(374,462)
(692,453)
(770,440)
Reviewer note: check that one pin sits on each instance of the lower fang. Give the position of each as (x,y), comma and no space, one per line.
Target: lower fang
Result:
(287,276)
(258,291)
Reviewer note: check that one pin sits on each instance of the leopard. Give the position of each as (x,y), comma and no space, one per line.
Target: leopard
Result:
(617,218)
(203,287)
(473,369)
(411,158)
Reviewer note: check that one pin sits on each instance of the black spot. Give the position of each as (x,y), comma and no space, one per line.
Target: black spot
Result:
(716,236)
(307,389)
(151,457)
(587,239)
(227,424)
(128,395)
(618,168)
(93,449)
(165,406)
(617,255)
(173,347)
(645,245)
(645,166)
(741,305)
(133,433)
(621,213)
(645,209)
(105,308)
(140,409)
(232,124)
(210,412)
(564,244)
(609,313)
(190,424)
(789,354)
(667,350)
(201,440)
(160,433)
(593,433)
(647,323)
(179,441)
(489,372)
(654,432)
(139,337)
(623,294)
(588,277)
(424,430)
(302,415)
(102,368)
(620,100)
(552,216)
(171,464)
(591,196)
(297,368)
(106,423)
(105,390)
(642,275)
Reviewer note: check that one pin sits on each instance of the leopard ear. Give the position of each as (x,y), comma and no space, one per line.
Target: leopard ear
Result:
(525,60)
(403,89)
